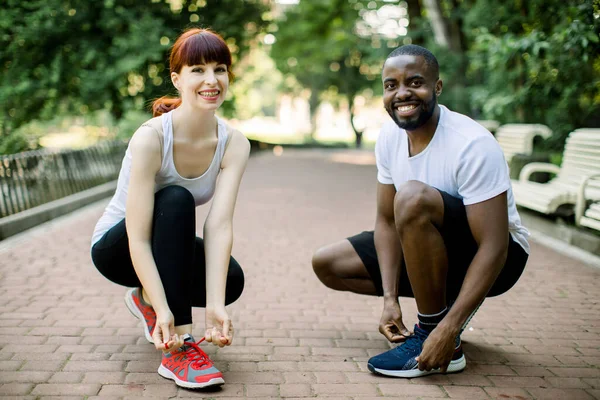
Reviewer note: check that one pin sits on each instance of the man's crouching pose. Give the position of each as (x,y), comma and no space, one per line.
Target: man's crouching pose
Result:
(447,230)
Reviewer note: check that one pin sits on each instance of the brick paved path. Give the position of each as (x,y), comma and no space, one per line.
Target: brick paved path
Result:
(65,332)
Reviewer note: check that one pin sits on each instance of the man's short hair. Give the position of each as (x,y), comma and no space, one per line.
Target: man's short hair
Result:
(414,50)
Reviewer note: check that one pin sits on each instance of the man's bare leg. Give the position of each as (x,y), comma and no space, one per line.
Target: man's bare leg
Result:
(419,212)
(339,267)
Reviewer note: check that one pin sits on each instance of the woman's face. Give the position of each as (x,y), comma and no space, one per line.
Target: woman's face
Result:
(202,86)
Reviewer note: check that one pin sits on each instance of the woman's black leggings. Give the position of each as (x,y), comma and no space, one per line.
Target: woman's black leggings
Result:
(178,254)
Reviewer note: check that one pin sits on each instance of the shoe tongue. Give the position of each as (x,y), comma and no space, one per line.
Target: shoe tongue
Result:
(188,338)
(420,331)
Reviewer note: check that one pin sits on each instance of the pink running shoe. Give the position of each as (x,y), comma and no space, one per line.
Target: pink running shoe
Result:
(138,307)
(189,366)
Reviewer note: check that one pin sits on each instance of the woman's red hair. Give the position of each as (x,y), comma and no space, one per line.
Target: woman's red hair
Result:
(194,46)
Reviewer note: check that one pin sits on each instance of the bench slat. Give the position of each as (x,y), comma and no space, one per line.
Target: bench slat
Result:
(581,158)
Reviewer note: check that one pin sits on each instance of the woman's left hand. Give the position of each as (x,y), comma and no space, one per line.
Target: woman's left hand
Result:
(219,329)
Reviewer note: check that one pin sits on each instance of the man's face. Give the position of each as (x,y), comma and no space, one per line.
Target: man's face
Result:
(410,91)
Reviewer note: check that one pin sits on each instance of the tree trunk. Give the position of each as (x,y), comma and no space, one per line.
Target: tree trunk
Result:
(414,16)
(448,33)
(414,9)
(358,134)
(116,107)
(313,103)
(438,23)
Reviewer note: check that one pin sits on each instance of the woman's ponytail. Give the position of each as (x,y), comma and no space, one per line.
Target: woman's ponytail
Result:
(165,104)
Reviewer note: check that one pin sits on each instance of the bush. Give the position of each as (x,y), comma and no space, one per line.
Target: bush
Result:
(16,142)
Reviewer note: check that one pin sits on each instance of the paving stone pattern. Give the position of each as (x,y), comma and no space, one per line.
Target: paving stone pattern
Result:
(65,332)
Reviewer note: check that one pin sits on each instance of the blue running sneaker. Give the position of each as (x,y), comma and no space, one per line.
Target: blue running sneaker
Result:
(400,361)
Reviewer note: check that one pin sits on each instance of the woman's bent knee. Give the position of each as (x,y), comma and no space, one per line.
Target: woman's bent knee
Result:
(235,282)
(176,196)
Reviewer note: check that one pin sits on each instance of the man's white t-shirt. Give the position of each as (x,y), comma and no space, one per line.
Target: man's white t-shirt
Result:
(463,159)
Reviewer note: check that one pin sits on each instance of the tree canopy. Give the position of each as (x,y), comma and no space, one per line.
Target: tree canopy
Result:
(513,61)
(536,61)
(78,56)
(331,44)
(533,61)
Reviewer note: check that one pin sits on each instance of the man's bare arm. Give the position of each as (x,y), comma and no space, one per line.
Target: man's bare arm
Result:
(389,254)
(488,221)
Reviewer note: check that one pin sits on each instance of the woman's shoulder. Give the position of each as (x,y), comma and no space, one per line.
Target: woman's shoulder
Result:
(154,123)
(228,127)
(234,135)
(237,146)
(149,135)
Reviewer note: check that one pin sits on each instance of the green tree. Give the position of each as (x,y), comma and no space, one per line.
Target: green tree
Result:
(78,56)
(339,44)
(536,61)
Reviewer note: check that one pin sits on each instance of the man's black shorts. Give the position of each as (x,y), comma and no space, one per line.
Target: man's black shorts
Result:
(461,248)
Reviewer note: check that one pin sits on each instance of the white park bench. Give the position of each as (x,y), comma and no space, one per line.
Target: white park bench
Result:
(489,124)
(586,214)
(581,159)
(519,138)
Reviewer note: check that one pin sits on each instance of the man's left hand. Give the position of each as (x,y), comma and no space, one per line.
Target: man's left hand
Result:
(437,352)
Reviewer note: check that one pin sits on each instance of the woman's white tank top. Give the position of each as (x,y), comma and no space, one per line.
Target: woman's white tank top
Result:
(202,187)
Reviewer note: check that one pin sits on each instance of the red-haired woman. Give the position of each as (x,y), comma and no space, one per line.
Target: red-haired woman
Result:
(146,237)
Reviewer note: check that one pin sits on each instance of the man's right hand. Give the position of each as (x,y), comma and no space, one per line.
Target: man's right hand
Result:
(391,325)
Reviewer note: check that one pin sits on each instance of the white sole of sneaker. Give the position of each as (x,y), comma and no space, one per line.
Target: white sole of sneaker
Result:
(165,373)
(138,314)
(455,366)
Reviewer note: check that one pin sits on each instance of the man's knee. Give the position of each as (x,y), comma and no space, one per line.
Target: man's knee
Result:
(326,264)
(322,262)
(416,203)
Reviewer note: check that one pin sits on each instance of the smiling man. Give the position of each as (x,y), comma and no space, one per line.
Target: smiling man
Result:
(447,231)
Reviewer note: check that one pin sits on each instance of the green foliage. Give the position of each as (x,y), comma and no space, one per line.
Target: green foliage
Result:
(455,94)
(531,61)
(328,45)
(131,121)
(257,90)
(78,56)
(536,62)
(15,142)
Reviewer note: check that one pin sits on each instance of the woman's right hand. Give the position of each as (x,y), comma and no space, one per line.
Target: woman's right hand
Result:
(164,335)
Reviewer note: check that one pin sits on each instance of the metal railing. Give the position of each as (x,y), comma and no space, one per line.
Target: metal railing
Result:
(32,178)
